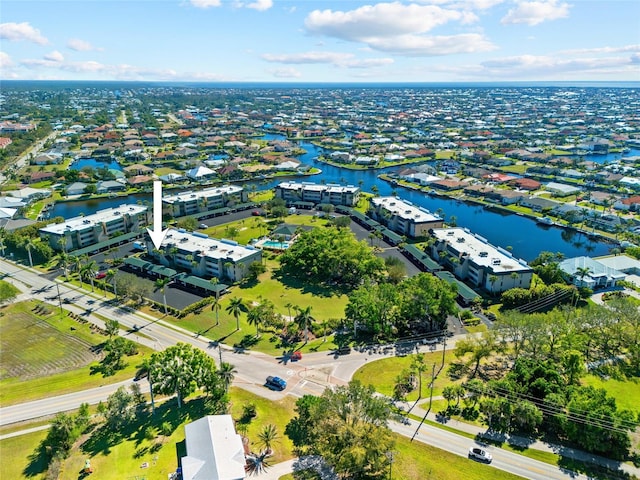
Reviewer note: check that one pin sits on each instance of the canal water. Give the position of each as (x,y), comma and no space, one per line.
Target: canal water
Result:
(81,163)
(523,236)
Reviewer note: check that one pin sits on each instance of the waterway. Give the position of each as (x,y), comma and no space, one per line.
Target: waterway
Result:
(81,163)
(522,235)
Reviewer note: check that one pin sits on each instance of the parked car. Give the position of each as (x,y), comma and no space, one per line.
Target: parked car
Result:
(297,355)
(480,454)
(204,225)
(256,213)
(100,275)
(276,383)
(345,350)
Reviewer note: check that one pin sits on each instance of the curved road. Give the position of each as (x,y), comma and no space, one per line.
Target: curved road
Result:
(316,372)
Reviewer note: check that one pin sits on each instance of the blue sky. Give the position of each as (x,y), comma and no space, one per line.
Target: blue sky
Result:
(321,41)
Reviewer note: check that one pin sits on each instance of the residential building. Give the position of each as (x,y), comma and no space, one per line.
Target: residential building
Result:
(192,202)
(214,450)
(80,232)
(204,257)
(587,272)
(292,192)
(403,217)
(474,259)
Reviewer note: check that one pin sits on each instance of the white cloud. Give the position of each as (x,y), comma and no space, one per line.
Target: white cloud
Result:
(54,56)
(5,60)
(380,20)
(598,50)
(430,46)
(343,60)
(15,32)
(533,13)
(80,45)
(285,72)
(205,3)
(260,5)
(400,28)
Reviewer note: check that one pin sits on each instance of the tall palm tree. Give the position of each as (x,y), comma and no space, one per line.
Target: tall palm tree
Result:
(227,373)
(3,235)
(216,302)
(76,264)
(253,318)
(267,436)
(303,319)
(89,272)
(235,308)
(29,244)
(257,463)
(111,275)
(62,259)
(582,272)
(161,284)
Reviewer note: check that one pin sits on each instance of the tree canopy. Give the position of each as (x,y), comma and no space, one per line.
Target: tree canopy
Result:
(331,256)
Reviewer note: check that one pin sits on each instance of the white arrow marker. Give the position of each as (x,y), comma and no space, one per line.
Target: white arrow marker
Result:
(157,234)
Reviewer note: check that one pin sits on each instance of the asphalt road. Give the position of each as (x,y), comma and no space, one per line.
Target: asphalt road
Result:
(311,375)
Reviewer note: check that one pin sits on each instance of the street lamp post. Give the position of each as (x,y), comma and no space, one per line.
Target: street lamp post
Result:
(59,299)
(390,456)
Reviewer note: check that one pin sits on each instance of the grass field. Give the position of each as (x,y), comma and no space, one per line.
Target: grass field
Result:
(45,354)
(626,392)
(122,455)
(382,373)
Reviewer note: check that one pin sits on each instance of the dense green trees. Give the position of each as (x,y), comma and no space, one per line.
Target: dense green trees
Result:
(419,303)
(348,428)
(329,257)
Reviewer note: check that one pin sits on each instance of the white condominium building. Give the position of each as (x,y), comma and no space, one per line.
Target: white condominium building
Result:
(403,217)
(203,256)
(332,194)
(474,259)
(80,232)
(192,202)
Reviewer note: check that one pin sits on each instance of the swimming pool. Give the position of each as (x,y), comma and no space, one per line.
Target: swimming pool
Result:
(274,245)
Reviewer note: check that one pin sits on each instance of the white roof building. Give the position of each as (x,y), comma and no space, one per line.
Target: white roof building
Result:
(214,450)
(200,172)
(403,217)
(474,259)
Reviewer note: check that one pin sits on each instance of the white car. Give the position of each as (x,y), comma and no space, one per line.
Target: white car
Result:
(480,454)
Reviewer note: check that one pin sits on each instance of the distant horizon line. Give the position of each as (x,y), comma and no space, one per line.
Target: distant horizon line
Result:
(630,83)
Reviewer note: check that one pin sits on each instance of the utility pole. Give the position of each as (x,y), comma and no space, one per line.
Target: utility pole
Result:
(59,298)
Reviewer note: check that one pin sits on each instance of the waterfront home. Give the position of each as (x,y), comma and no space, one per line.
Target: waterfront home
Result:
(588,272)
(474,259)
(108,186)
(403,217)
(137,169)
(204,257)
(525,184)
(562,189)
(76,188)
(83,231)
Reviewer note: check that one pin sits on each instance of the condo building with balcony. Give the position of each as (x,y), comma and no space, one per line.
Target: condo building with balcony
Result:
(80,232)
(474,259)
(292,192)
(403,217)
(201,201)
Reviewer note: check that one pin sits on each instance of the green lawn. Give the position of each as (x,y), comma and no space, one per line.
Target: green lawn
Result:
(24,454)
(323,307)
(382,373)
(45,354)
(626,393)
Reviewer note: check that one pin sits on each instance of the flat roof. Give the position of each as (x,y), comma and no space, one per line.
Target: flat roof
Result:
(619,262)
(405,210)
(208,247)
(329,187)
(482,253)
(90,221)
(206,193)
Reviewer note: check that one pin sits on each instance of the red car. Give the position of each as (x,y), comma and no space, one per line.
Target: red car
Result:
(297,355)
(101,275)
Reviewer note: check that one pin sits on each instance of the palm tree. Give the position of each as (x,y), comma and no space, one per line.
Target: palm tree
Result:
(62,259)
(257,463)
(582,272)
(89,272)
(29,244)
(289,306)
(253,318)
(235,308)
(493,279)
(267,436)
(227,373)
(111,275)
(3,235)
(216,302)
(303,319)
(161,284)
